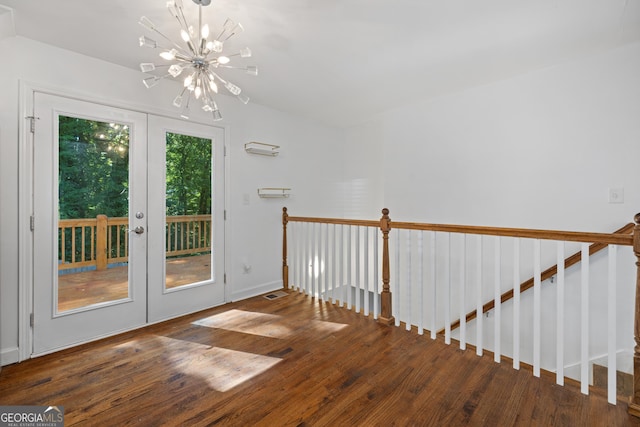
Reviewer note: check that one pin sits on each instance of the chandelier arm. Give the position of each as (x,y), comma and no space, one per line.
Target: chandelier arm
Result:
(243,53)
(156,78)
(207,95)
(233,67)
(238,25)
(176,45)
(162,47)
(213,93)
(182,20)
(251,70)
(216,112)
(198,85)
(223,81)
(211,80)
(185,26)
(185,108)
(161,65)
(203,91)
(192,47)
(199,45)
(183,57)
(233,89)
(225,26)
(177,101)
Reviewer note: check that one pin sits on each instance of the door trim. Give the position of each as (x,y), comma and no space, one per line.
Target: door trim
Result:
(26,90)
(25,210)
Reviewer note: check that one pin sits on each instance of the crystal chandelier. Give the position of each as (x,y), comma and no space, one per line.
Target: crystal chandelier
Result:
(199,59)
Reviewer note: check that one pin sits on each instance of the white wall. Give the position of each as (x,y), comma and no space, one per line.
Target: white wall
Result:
(254,230)
(310,162)
(363,176)
(539,150)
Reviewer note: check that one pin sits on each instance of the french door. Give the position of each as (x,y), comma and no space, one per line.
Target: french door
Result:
(186,217)
(126,225)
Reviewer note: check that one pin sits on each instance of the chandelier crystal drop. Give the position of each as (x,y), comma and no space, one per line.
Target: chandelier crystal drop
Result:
(198,58)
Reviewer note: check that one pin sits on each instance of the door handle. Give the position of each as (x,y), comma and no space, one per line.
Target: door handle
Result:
(138,230)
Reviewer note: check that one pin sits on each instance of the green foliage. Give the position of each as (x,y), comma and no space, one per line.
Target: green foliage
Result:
(188,175)
(93,173)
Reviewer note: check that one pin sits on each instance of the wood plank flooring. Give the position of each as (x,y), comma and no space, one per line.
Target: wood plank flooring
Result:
(292,361)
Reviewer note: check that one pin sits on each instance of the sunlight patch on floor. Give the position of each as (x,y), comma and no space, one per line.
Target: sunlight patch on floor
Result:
(265,325)
(323,326)
(222,369)
(248,322)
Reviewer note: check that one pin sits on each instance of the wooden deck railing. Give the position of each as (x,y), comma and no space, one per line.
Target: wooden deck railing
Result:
(102,241)
(338,259)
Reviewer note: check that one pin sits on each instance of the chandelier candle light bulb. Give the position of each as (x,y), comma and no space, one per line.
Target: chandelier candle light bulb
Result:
(198,59)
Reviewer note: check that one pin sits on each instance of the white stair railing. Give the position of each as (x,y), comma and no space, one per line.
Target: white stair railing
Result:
(336,262)
(438,272)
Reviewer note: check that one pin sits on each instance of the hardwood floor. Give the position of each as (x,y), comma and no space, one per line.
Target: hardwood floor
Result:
(292,361)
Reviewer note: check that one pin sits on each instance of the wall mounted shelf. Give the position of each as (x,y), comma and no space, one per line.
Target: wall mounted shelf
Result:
(274,192)
(262,149)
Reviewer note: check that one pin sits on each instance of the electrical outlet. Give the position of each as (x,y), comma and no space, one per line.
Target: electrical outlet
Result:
(246,267)
(616,195)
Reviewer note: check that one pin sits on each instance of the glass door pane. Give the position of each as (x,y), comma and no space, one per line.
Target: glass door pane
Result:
(93,211)
(188,254)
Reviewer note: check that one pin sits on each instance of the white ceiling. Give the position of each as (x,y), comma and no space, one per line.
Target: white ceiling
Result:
(342,61)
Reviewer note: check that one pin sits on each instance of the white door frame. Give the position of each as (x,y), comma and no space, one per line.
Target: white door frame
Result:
(26,91)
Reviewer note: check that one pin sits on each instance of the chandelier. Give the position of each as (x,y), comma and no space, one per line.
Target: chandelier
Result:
(198,59)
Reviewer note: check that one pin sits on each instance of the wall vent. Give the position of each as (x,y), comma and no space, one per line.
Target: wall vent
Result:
(276,295)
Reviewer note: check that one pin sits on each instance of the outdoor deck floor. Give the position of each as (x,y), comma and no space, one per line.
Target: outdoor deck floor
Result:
(93,287)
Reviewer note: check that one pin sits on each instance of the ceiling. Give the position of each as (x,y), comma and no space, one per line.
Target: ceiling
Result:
(342,61)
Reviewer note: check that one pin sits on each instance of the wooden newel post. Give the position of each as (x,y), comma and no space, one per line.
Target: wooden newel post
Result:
(101,242)
(386,316)
(285,267)
(634,405)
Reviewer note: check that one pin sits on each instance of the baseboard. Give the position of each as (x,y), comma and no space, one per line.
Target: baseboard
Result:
(256,290)
(9,356)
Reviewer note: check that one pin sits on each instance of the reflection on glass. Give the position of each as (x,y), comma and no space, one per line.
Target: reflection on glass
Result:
(93,210)
(189,257)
